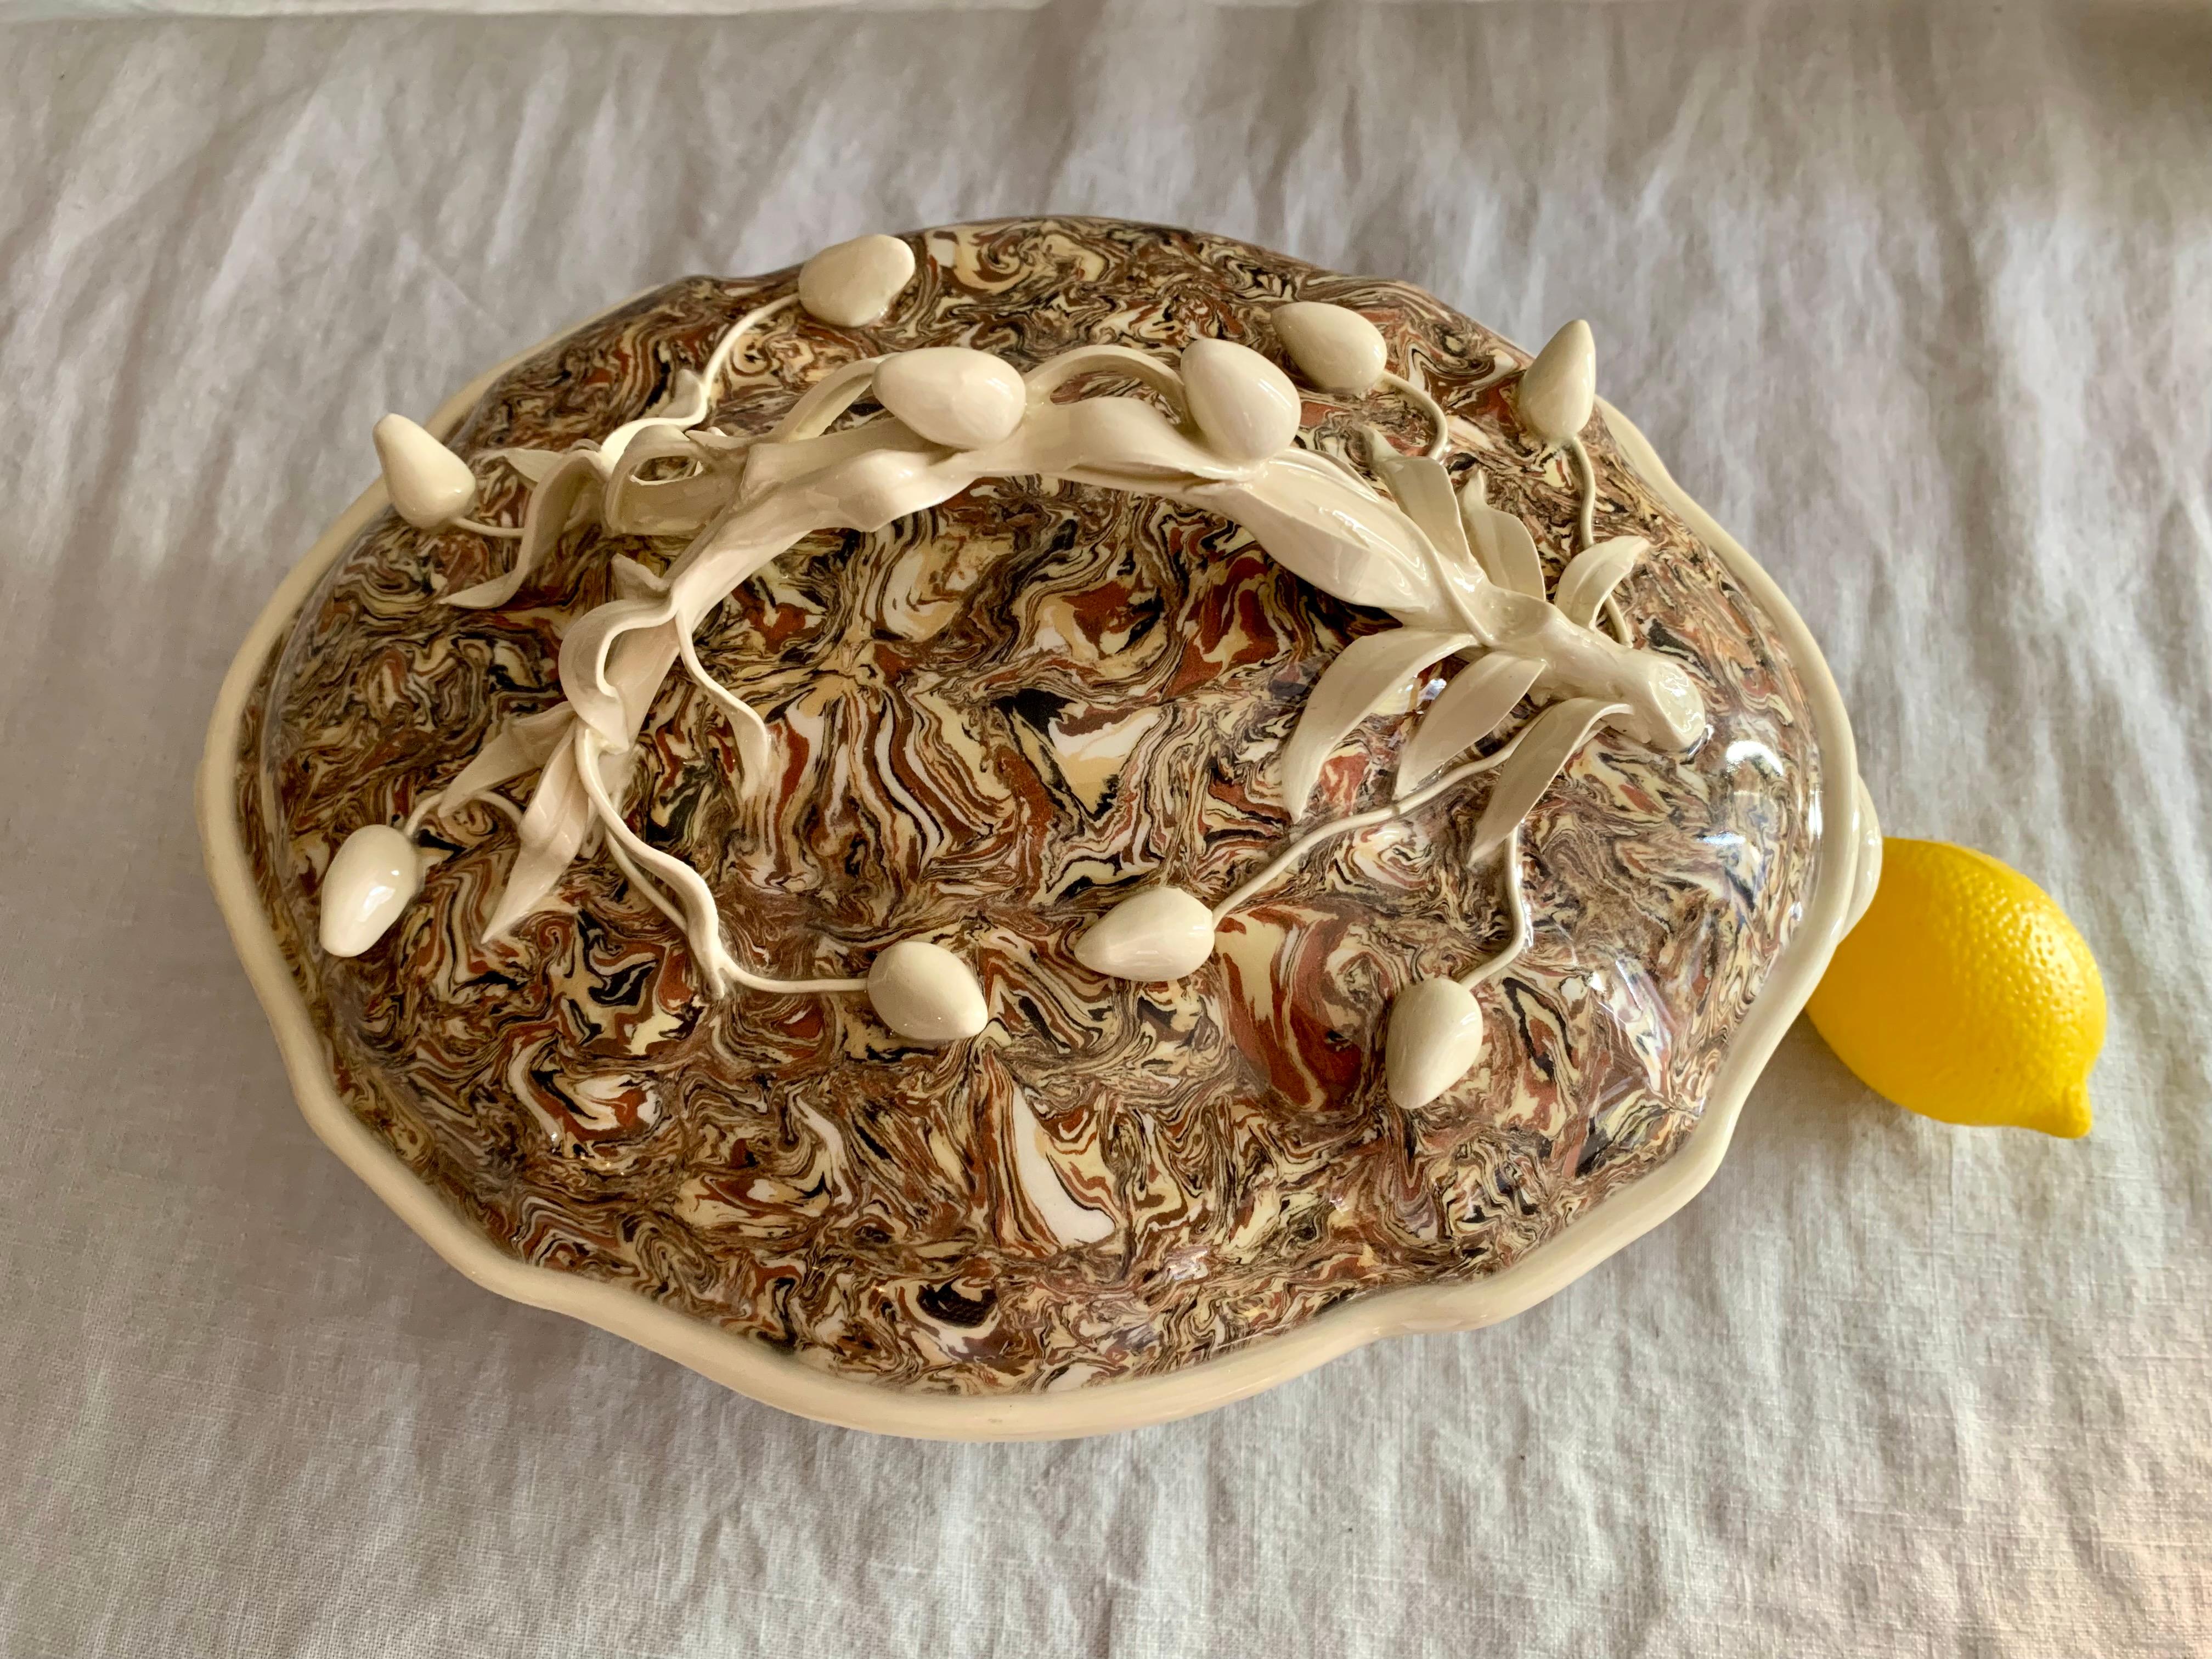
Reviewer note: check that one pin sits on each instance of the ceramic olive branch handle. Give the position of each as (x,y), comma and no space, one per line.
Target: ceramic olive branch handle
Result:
(1463,578)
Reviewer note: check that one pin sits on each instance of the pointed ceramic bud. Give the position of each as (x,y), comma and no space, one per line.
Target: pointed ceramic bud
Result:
(372,878)
(1246,408)
(951,396)
(1435,1038)
(428,483)
(1556,392)
(925,994)
(1160,934)
(853,283)
(1334,346)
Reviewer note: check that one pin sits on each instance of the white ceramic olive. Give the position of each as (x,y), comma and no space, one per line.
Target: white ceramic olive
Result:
(1160,934)
(375,874)
(1558,390)
(1245,407)
(925,994)
(1334,346)
(1435,1037)
(429,485)
(853,283)
(952,396)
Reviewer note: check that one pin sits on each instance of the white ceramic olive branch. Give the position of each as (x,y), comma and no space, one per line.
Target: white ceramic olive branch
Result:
(1463,578)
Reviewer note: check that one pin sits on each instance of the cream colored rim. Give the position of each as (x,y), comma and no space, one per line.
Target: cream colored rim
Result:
(752,1367)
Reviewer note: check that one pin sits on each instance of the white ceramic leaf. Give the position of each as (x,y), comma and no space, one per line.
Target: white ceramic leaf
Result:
(819,406)
(1120,443)
(532,464)
(667,507)
(551,503)
(645,496)
(429,485)
(632,581)
(746,725)
(551,832)
(1245,406)
(1434,1039)
(1545,747)
(852,284)
(874,473)
(1323,525)
(1423,489)
(1481,694)
(1160,934)
(1593,574)
(371,879)
(687,403)
(952,396)
(1501,541)
(1558,391)
(925,994)
(521,746)
(1364,672)
(1334,346)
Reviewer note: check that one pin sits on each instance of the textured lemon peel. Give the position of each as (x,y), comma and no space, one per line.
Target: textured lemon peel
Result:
(1965,995)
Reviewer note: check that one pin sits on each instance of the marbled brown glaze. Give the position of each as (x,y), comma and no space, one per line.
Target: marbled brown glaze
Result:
(991,721)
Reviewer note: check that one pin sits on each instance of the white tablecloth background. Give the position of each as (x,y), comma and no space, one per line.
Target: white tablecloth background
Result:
(1918,302)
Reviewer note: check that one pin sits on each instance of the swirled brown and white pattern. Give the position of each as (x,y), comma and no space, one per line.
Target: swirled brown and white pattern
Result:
(990,722)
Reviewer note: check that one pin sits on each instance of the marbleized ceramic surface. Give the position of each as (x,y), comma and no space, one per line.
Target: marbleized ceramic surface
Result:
(990,723)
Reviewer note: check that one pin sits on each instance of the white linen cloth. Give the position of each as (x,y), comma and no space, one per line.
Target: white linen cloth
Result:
(1919,303)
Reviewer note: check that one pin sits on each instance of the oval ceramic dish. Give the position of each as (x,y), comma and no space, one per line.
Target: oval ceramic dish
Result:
(1225,427)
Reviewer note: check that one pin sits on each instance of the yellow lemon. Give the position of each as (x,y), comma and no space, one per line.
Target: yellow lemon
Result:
(1964,995)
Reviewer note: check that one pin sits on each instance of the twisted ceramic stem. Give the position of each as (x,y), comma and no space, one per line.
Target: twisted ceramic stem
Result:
(630,849)
(1439,422)
(1586,531)
(1290,855)
(1516,903)
(1586,482)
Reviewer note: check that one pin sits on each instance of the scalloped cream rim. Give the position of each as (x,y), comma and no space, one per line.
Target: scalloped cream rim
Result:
(752,1367)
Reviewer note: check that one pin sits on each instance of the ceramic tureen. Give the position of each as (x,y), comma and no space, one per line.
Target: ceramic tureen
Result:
(1030,828)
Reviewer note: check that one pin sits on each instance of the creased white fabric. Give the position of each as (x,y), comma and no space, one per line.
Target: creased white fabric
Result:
(1918,302)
